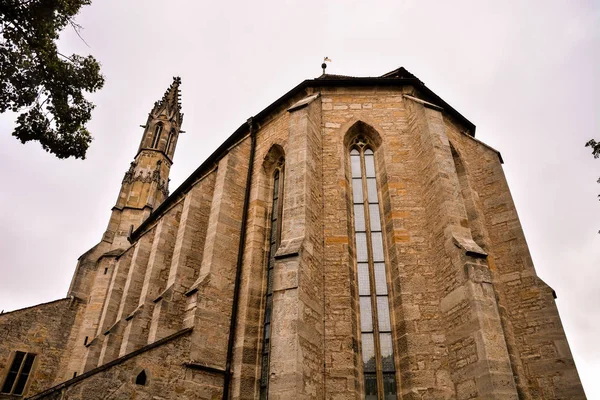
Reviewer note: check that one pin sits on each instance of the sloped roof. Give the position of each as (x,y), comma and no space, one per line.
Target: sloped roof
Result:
(399,73)
(333,76)
(396,78)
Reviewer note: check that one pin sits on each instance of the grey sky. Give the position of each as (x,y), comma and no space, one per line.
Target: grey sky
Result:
(525,72)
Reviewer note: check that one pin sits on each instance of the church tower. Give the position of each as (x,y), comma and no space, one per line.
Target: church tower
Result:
(146,183)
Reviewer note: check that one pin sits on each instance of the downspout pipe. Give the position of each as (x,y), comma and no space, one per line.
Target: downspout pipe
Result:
(240,261)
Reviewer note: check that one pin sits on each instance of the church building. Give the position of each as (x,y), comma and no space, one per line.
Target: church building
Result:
(353,240)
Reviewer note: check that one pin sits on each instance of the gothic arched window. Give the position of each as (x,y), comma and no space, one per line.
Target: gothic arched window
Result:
(274,239)
(375,324)
(170,141)
(156,137)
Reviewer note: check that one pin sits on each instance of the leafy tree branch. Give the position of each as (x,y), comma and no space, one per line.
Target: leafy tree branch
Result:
(595,151)
(44,85)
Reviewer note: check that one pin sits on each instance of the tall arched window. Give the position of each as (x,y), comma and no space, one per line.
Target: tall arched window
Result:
(170,141)
(156,137)
(274,239)
(375,327)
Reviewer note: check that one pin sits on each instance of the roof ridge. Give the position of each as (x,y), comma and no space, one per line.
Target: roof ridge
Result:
(336,76)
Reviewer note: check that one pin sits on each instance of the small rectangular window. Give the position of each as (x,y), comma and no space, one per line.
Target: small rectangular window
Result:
(355,162)
(366,323)
(370,166)
(377,246)
(357,190)
(359,218)
(380,280)
(372,190)
(368,352)
(387,352)
(374,219)
(363,279)
(389,386)
(18,374)
(361,247)
(370,386)
(24,375)
(383,314)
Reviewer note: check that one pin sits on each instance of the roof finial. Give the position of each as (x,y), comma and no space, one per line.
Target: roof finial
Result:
(324,65)
(172,96)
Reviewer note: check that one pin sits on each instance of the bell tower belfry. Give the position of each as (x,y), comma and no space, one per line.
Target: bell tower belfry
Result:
(146,183)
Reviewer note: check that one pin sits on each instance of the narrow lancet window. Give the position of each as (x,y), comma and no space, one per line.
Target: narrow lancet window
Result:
(274,238)
(375,326)
(156,137)
(169,141)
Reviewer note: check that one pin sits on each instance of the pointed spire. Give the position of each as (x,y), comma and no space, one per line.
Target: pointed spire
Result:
(170,104)
(172,95)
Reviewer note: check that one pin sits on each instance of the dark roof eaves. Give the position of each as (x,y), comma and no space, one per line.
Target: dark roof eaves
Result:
(449,109)
(242,131)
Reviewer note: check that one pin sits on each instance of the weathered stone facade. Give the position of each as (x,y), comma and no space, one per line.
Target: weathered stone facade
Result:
(172,304)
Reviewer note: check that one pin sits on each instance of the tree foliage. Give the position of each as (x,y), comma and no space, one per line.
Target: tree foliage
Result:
(595,147)
(45,86)
(595,150)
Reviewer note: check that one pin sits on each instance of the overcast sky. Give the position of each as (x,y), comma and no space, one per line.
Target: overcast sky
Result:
(525,72)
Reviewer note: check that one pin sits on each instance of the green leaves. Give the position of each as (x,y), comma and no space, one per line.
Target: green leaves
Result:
(595,152)
(595,147)
(46,86)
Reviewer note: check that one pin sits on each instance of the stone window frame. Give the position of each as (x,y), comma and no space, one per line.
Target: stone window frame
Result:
(158,128)
(363,134)
(22,370)
(275,168)
(169,141)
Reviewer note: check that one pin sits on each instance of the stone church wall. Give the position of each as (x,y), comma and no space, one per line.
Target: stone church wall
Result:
(43,330)
(469,316)
(167,378)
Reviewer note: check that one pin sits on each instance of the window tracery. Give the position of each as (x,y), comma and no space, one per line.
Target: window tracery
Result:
(375,325)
